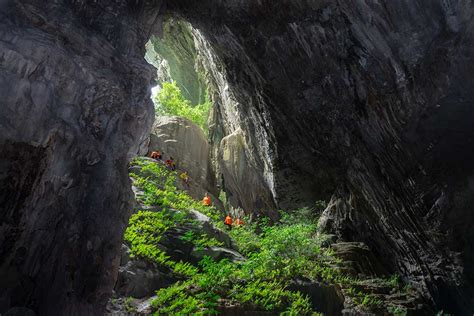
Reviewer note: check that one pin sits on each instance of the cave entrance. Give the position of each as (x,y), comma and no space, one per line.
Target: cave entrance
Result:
(181,133)
(184,110)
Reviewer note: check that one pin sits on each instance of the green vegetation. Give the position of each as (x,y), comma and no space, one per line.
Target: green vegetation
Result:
(170,101)
(159,187)
(276,255)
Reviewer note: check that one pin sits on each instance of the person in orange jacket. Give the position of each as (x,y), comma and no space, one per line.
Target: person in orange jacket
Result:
(207,200)
(239,222)
(228,221)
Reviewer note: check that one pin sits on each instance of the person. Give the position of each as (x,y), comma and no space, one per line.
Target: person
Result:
(173,164)
(184,176)
(170,164)
(239,222)
(228,221)
(156,155)
(206,200)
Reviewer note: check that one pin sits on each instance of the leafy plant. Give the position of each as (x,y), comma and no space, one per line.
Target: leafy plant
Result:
(128,304)
(276,254)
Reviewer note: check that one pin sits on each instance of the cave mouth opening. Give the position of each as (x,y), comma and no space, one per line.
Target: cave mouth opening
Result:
(182,87)
(186,104)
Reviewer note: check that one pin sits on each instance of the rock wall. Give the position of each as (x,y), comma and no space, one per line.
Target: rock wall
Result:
(74,108)
(174,46)
(366,102)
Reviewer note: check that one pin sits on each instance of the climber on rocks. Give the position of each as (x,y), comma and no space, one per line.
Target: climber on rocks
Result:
(239,222)
(206,201)
(185,177)
(156,155)
(228,221)
(171,164)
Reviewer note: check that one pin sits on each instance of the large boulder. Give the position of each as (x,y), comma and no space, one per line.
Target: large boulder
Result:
(183,140)
(325,298)
(244,184)
(140,278)
(205,225)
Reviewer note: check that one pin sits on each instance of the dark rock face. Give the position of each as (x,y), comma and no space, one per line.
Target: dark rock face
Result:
(139,278)
(364,102)
(367,102)
(327,299)
(175,48)
(74,107)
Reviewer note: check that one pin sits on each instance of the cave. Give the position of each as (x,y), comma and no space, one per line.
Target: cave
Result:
(364,104)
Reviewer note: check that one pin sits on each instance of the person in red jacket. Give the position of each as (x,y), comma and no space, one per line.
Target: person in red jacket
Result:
(156,155)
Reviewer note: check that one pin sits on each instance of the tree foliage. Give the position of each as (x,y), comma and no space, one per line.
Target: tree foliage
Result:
(170,101)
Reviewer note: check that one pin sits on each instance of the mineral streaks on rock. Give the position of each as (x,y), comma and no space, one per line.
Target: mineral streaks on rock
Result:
(366,102)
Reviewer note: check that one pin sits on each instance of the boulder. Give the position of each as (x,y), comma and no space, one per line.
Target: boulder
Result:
(205,225)
(173,244)
(245,185)
(183,140)
(139,278)
(325,298)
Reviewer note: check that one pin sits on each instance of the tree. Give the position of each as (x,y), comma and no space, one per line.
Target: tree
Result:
(170,101)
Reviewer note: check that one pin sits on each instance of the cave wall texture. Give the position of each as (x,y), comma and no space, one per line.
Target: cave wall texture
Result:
(74,106)
(366,103)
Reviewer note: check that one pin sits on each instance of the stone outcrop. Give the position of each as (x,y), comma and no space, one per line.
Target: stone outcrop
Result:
(243,183)
(183,140)
(139,278)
